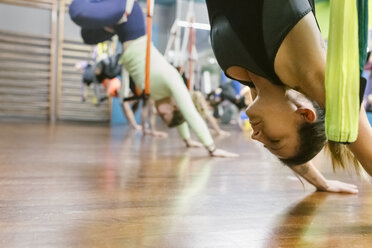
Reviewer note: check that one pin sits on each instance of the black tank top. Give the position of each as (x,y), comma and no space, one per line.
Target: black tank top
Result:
(248,33)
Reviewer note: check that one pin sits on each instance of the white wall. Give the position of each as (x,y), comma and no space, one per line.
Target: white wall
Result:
(24,19)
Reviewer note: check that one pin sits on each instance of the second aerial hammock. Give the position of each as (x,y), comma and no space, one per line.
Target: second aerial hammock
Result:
(342,73)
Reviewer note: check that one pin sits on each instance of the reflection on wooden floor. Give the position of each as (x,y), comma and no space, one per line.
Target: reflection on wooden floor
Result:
(91,186)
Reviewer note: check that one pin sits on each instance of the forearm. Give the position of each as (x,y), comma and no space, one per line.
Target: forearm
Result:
(144,115)
(213,122)
(129,114)
(311,174)
(152,115)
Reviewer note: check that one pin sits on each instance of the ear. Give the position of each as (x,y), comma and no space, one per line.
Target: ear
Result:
(307,114)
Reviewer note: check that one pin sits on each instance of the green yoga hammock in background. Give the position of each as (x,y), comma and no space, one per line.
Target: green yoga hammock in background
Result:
(346,57)
(363,32)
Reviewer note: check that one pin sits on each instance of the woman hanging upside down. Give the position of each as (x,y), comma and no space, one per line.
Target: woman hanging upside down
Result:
(275,47)
(171,96)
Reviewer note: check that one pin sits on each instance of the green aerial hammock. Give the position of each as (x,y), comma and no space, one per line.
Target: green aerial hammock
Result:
(343,68)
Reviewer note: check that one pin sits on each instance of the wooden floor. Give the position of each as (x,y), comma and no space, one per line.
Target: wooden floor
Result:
(75,185)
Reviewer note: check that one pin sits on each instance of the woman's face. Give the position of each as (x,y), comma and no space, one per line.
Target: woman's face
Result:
(274,123)
(274,115)
(165,108)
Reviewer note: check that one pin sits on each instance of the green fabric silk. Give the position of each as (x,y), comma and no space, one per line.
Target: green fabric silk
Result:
(342,73)
(363,32)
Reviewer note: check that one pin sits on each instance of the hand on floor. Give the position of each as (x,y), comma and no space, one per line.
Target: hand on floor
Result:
(155,133)
(340,187)
(138,127)
(224,133)
(223,154)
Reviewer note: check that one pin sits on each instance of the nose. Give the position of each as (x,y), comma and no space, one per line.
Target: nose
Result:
(257,135)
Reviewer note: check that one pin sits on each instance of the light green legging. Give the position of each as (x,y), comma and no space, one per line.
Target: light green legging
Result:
(165,82)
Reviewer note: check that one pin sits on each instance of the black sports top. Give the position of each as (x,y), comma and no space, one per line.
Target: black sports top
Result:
(248,33)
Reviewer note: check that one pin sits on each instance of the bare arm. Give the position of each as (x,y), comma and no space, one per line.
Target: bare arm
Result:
(151,112)
(150,109)
(203,107)
(150,106)
(362,147)
(312,175)
(148,114)
(144,115)
(130,116)
(213,122)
